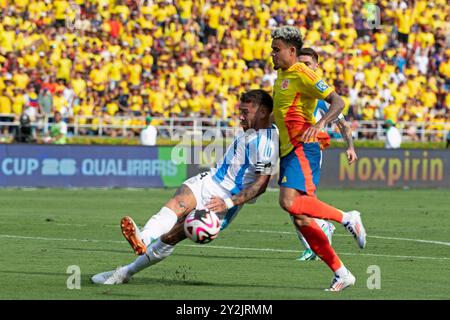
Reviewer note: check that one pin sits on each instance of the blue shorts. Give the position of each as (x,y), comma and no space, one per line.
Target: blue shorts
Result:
(300,169)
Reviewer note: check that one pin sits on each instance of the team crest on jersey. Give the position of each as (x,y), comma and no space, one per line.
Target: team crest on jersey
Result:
(321,85)
(285,84)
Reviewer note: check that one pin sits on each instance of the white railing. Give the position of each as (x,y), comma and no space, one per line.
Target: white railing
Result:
(421,130)
(177,127)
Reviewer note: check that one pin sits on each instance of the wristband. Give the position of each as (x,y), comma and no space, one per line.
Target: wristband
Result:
(229,203)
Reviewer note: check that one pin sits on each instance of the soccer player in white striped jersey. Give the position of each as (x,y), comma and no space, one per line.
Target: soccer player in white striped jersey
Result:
(240,178)
(311,59)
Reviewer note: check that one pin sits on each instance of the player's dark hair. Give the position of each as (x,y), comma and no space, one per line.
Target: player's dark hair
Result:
(290,35)
(258,97)
(309,52)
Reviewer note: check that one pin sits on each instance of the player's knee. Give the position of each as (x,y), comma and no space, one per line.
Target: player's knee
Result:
(285,203)
(293,205)
(301,220)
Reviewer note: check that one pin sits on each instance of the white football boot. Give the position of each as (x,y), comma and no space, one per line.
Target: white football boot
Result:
(356,228)
(329,231)
(117,276)
(340,283)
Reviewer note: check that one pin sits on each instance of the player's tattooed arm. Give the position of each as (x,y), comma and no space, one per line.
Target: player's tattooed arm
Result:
(346,132)
(219,205)
(336,107)
(251,192)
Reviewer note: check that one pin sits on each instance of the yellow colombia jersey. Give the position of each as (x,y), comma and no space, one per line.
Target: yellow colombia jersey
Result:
(296,91)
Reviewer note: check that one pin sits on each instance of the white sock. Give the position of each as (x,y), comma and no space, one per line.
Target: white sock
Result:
(300,236)
(346,216)
(341,272)
(303,240)
(156,252)
(159,224)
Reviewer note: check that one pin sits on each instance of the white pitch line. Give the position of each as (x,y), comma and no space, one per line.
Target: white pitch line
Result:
(279,232)
(296,251)
(7,236)
(415,240)
(287,232)
(57,239)
(369,236)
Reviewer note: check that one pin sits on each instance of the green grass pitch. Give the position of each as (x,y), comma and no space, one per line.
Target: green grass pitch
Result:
(44,231)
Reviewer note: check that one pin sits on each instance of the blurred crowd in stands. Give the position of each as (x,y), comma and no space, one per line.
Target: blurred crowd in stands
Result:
(120,61)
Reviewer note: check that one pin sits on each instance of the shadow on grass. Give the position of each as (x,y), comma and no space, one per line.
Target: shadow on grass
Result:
(179,282)
(234,257)
(165,280)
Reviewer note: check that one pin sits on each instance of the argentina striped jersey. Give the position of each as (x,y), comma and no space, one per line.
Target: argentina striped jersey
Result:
(322,108)
(252,152)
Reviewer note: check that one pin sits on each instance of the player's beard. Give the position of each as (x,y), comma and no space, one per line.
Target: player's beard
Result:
(275,65)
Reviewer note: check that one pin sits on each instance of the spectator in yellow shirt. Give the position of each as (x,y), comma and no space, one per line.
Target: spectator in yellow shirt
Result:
(21,79)
(134,73)
(60,9)
(60,103)
(7,38)
(64,68)
(405,20)
(5,106)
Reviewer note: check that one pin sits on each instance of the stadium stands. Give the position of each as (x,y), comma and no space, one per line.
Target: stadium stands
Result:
(116,61)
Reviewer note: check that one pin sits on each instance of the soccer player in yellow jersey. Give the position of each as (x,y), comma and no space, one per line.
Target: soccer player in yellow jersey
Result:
(311,59)
(295,94)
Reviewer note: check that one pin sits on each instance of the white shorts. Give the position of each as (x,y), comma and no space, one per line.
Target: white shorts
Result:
(204,187)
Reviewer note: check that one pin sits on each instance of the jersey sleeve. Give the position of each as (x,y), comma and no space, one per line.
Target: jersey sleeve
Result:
(311,85)
(268,153)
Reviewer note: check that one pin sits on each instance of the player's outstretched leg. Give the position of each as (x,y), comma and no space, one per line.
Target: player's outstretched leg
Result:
(159,224)
(156,252)
(314,208)
(117,276)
